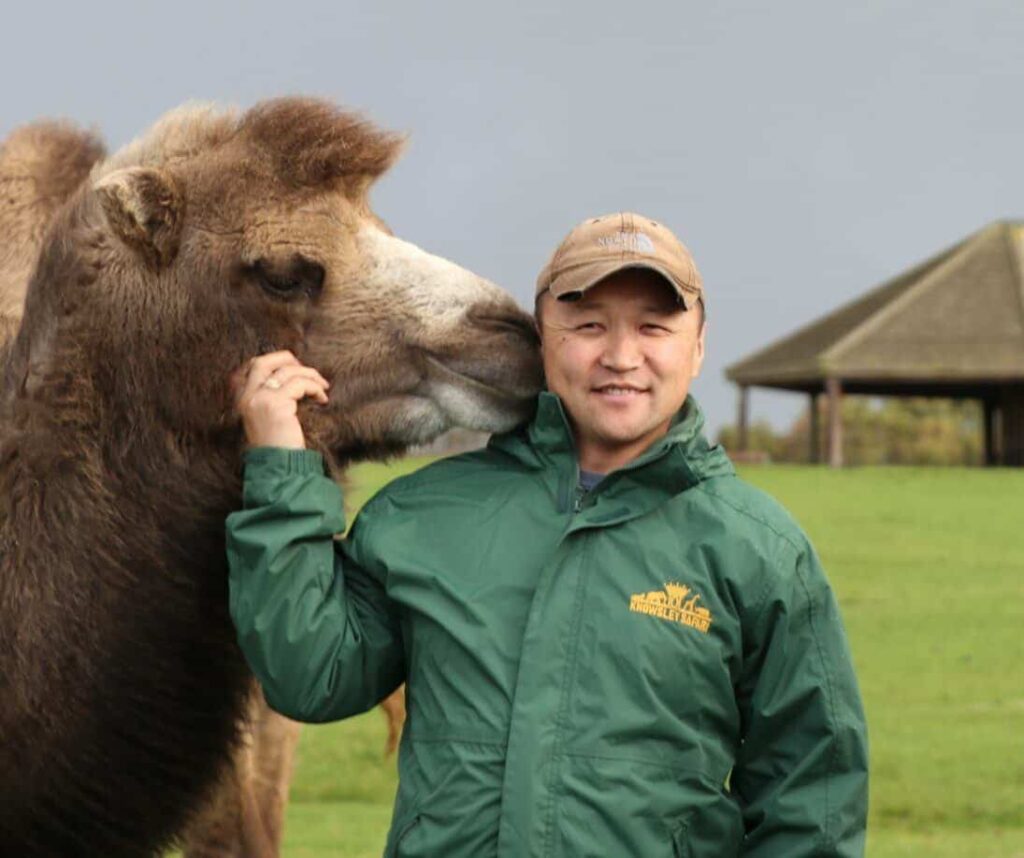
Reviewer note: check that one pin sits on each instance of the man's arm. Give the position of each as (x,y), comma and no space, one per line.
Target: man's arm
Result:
(801,772)
(316,627)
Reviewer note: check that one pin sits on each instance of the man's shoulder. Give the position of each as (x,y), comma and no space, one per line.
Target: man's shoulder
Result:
(753,509)
(464,474)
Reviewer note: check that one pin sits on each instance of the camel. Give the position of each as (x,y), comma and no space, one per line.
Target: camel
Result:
(41,165)
(212,238)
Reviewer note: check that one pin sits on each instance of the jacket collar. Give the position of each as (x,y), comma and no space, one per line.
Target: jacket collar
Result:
(678,460)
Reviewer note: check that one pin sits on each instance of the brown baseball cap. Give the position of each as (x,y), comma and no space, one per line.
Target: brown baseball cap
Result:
(603,245)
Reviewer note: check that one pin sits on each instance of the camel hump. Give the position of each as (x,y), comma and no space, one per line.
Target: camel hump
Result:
(55,154)
(41,166)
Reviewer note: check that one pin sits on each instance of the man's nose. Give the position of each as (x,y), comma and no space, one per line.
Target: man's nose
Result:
(622,352)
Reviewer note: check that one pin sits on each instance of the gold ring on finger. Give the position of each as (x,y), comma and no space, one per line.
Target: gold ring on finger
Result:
(272,383)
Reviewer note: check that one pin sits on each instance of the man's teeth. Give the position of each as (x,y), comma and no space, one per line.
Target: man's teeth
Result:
(618,391)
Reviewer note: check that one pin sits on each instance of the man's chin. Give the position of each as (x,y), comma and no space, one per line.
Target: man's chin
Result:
(621,436)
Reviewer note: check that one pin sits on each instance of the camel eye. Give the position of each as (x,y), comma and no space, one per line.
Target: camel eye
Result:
(297,277)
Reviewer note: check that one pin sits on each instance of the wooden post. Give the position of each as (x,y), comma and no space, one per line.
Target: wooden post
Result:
(742,417)
(1011,427)
(814,429)
(834,391)
(989,429)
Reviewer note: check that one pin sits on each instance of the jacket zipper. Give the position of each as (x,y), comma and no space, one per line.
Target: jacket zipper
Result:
(569,499)
(566,689)
(578,494)
(577,497)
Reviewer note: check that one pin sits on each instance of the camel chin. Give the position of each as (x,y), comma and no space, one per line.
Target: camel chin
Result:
(468,402)
(436,408)
(443,399)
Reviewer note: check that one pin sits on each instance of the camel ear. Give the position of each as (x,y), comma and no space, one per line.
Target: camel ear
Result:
(145,209)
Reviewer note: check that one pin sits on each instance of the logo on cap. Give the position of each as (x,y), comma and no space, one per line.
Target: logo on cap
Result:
(638,242)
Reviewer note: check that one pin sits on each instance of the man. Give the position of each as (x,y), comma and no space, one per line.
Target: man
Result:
(613,646)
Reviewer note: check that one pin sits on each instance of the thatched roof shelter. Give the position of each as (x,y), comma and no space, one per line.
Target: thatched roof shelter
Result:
(952,326)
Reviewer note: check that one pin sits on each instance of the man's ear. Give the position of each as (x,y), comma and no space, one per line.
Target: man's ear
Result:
(538,324)
(145,209)
(698,349)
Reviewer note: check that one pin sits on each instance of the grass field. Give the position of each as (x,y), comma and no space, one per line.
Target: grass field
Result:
(928,565)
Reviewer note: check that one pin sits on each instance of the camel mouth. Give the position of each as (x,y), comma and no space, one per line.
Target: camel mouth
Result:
(472,402)
(445,397)
(443,371)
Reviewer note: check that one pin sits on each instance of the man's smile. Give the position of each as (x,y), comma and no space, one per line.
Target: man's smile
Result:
(620,391)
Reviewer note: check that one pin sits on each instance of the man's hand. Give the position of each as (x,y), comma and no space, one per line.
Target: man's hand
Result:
(268,390)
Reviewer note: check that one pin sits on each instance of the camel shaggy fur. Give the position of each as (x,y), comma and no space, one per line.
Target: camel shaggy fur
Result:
(212,238)
(41,165)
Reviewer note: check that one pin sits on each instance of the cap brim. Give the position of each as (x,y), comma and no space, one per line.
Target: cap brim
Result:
(586,276)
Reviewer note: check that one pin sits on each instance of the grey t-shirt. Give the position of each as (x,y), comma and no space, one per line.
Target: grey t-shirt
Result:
(589,479)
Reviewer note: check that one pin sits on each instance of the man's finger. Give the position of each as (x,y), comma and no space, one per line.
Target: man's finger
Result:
(287,373)
(299,387)
(266,365)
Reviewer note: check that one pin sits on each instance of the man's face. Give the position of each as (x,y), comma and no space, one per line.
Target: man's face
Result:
(621,359)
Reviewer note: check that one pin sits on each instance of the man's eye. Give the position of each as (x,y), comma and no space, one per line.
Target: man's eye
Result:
(656,329)
(588,326)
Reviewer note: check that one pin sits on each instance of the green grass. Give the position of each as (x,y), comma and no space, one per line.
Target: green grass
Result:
(928,565)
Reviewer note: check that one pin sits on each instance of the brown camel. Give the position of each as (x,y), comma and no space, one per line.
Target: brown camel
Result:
(210,239)
(41,165)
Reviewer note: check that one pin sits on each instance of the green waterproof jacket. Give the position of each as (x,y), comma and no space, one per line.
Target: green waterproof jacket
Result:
(656,668)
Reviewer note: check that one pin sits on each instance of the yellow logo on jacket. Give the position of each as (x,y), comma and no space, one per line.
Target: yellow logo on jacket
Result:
(668,604)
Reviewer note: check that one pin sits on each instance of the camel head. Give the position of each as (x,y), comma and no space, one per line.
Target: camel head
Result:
(217,236)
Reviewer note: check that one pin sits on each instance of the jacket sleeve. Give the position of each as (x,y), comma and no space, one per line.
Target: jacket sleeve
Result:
(801,771)
(312,618)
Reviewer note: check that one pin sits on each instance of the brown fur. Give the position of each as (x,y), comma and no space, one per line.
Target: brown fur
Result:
(41,165)
(121,688)
(314,145)
(244,816)
(393,708)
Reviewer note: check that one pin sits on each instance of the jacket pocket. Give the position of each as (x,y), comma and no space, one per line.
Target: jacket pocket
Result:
(679,848)
(712,830)
(404,832)
(450,799)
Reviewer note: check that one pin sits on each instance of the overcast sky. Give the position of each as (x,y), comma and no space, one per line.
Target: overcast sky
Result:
(805,151)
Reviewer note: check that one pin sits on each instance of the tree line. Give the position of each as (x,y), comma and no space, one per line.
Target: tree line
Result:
(889,431)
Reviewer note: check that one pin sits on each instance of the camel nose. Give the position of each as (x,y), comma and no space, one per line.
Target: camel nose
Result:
(506,320)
